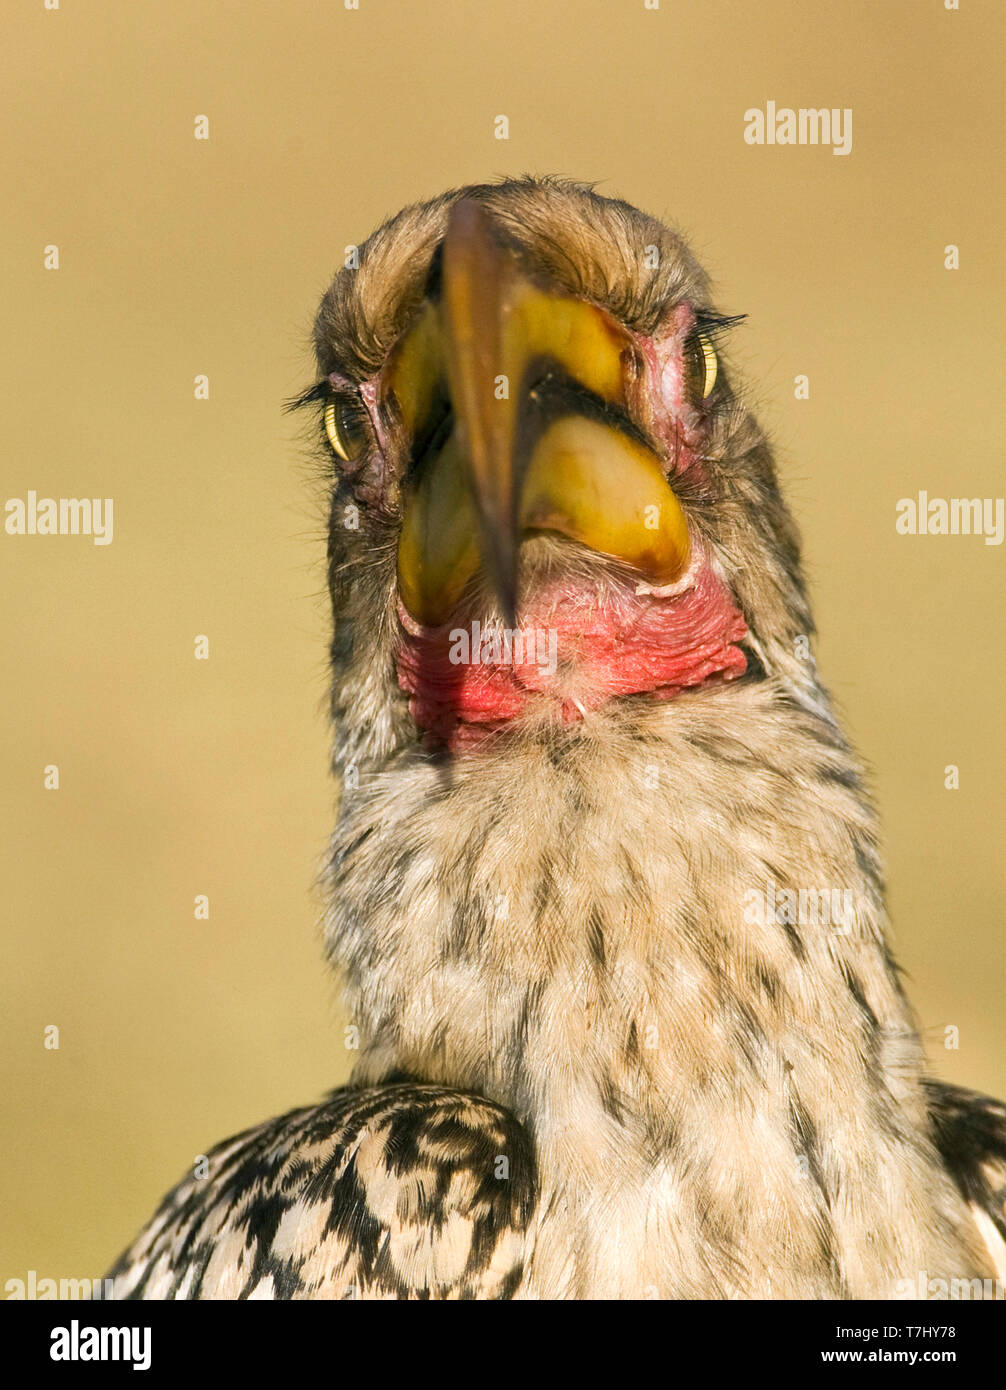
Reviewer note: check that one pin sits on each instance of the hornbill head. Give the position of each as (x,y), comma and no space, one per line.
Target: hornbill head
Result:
(549,499)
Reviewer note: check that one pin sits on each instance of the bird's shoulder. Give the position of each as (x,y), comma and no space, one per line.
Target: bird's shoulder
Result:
(402,1190)
(970,1133)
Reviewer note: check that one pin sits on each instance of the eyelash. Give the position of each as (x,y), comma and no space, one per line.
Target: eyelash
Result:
(715,325)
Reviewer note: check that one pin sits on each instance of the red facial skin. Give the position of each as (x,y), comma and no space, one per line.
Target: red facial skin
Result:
(624,643)
(629,644)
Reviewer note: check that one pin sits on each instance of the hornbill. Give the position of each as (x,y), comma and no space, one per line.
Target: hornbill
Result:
(613,1041)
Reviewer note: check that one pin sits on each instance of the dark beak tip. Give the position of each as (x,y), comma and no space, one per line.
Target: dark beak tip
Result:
(508,603)
(503,571)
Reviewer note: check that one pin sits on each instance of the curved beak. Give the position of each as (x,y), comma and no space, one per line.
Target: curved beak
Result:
(532,390)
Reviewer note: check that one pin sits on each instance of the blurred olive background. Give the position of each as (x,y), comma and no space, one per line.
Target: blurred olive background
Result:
(180,257)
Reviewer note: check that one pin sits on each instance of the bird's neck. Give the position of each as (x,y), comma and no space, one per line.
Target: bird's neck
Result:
(661,945)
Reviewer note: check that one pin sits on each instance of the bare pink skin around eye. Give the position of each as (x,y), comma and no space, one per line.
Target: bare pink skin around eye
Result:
(672,419)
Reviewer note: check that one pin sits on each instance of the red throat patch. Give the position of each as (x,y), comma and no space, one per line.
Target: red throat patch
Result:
(571,653)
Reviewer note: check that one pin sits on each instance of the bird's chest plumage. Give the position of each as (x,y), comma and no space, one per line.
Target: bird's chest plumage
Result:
(723,1101)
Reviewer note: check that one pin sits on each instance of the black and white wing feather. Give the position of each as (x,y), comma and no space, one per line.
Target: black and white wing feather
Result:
(397,1191)
(970,1133)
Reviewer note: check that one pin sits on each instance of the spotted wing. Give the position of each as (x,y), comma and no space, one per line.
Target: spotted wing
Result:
(398,1191)
(970,1132)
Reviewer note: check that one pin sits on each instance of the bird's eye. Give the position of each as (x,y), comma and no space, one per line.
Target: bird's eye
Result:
(346,427)
(701,365)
